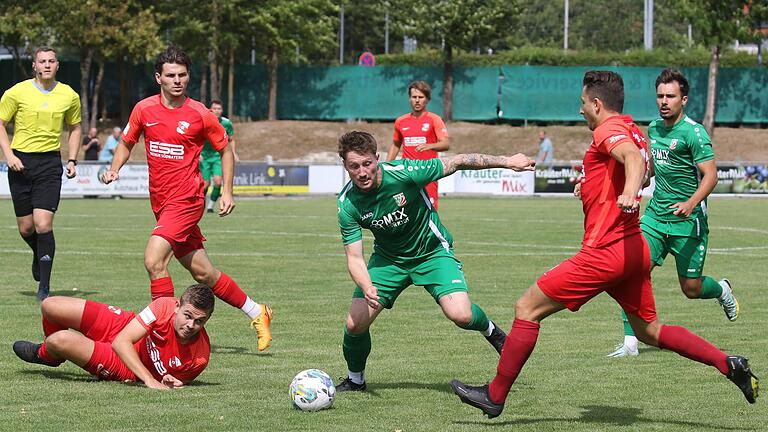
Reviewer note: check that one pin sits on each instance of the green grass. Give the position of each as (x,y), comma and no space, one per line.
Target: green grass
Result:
(287,252)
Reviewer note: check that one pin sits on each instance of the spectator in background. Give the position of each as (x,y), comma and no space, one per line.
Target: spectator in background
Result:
(545,150)
(110,145)
(91,145)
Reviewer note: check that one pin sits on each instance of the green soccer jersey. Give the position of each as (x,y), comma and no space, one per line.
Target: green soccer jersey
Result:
(405,226)
(208,151)
(676,152)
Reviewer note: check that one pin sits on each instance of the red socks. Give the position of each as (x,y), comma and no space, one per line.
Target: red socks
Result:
(227,290)
(162,287)
(42,352)
(687,344)
(517,348)
(50,328)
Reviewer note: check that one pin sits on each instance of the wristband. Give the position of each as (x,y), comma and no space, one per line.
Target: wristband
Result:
(74,161)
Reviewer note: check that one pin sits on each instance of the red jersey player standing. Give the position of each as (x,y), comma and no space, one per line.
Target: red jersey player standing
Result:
(165,346)
(175,128)
(614,256)
(420,133)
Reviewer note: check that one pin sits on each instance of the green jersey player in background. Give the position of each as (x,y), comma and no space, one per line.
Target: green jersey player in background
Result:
(210,160)
(411,245)
(675,221)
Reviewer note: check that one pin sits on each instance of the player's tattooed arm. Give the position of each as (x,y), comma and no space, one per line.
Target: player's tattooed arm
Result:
(476,161)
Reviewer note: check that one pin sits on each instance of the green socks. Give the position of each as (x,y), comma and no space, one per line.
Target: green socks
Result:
(356,347)
(710,288)
(479,321)
(215,193)
(627,328)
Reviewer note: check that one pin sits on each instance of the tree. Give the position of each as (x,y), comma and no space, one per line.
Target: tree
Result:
(457,24)
(282,27)
(22,27)
(98,31)
(716,24)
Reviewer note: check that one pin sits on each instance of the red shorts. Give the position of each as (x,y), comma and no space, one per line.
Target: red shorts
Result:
(622,269)
(102,323)
(432,193)
(177,224)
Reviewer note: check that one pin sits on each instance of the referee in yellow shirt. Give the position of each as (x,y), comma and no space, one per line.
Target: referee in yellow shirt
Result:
(40,107)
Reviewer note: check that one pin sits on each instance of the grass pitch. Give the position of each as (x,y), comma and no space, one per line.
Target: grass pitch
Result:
(287,252)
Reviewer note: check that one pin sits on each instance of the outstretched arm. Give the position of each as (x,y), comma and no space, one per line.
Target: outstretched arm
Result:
(476,161)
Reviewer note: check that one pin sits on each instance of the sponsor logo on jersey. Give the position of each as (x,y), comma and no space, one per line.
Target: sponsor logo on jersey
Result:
(425,127)
(660,156)
(182,127)
(166,151)
(148,124)
(366,216)
(406,128)
(174,362)
(399,199)
(154,355)
(391,220)
(416,140)
(673,144)
(614,139)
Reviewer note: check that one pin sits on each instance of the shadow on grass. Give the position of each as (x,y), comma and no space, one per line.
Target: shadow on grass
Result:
(220,349)
(63,293)
(373,388)
(607,415)
(84,377)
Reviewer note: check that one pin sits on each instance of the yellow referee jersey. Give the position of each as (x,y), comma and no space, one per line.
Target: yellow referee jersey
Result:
(40,115)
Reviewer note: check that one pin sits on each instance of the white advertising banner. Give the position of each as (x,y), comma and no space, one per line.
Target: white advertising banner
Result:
(133,181)
(494,181)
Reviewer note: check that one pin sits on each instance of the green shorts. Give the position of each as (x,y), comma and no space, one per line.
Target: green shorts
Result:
(440,275)
(686,240)
(210,167)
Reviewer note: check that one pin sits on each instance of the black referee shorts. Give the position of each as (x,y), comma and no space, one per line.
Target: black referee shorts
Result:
(38,185)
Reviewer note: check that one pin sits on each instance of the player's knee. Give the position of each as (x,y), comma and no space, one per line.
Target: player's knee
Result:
(355,326)
(461,318)
(155,267)
(48,306)
(691,288)
(26,230)
(58,342)
(523,310)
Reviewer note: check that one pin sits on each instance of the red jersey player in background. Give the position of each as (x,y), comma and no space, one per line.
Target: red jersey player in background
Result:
(614,256)
(175,128)
(165,346)
(420,133)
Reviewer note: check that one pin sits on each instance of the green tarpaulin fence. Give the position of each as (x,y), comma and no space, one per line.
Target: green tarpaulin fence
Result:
(517,93)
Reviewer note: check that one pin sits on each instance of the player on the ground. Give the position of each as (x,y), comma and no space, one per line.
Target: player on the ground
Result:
(614,256)
(174,128)
(40,107)
(165,346)
(210,159)
(420,133)
(675,220)
(412,247)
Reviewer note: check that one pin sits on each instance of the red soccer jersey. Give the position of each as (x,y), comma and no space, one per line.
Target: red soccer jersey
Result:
(603,182)
(411,131)
(173,140)
(161,353)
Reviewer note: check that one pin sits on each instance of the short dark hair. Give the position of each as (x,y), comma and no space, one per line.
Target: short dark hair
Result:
(358,142)
(670,74)
(421,86)
(606,86)
(172,54)
(217,102)
(42,48)
(200,296)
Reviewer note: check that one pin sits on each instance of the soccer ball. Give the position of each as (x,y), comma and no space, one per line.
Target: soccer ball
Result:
(312,390)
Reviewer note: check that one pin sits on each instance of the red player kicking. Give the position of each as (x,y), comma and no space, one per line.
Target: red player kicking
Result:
(614,256)
(175,128)
(165,346)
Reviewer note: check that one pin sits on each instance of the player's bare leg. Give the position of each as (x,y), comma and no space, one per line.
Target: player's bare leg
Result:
(157,256)
(203,271)
(357,343)
(530,309)
(689,345)
(59,315)
(458,308)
